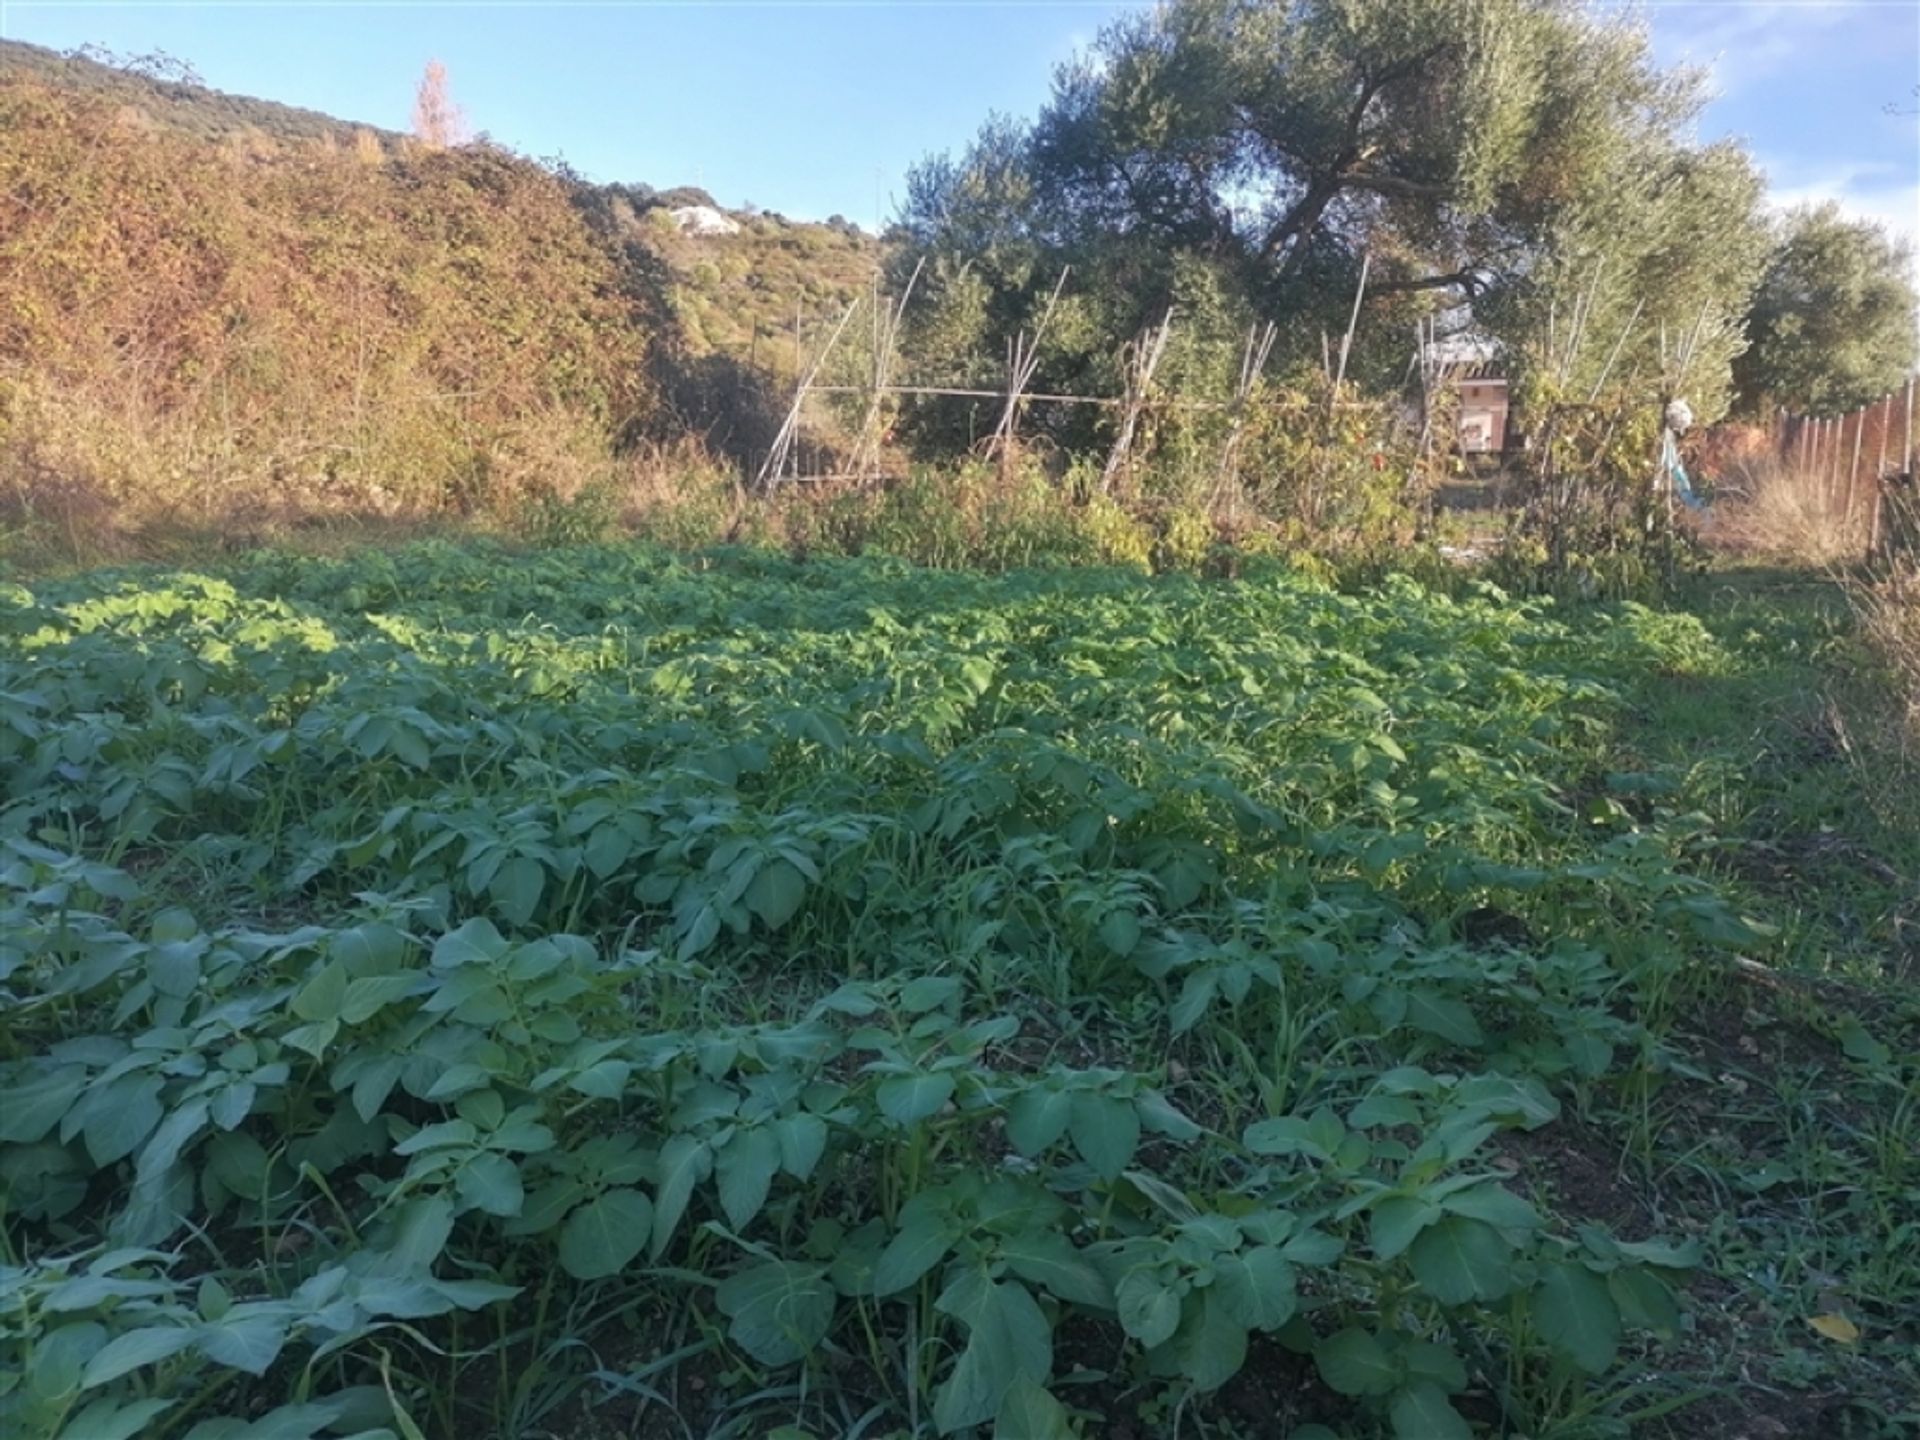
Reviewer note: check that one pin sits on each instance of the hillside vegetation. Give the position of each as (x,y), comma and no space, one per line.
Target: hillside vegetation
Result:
(195,331)
(226,315)
(165,92)
(741,294)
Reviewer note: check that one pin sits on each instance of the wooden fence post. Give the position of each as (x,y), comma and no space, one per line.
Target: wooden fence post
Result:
(1838,444)
(1853,470)
(1902,495)
(1908,467)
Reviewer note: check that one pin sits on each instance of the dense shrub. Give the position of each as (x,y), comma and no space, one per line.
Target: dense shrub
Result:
(193,330)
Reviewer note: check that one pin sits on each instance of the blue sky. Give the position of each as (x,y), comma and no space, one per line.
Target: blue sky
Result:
(813,107)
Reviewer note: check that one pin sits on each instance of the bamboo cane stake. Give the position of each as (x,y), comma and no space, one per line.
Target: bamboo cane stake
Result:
(1253,362)
(777,456)
(1023,359)
(1614,354)
(1583,313)
(1145,360)
(1346,341)
(1908,467)
(887,320)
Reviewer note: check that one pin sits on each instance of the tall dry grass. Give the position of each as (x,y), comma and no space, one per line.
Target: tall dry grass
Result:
(1769,508)
(1774,509)
(1887,609)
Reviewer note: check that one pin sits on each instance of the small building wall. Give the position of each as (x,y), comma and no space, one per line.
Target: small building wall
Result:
(1483,416)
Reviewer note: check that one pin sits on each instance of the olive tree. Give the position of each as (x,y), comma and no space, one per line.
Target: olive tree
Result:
(1833,324)
(1492,153)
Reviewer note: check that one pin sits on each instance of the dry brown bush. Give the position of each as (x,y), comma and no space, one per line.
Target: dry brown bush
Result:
(1889,613)
(198,335)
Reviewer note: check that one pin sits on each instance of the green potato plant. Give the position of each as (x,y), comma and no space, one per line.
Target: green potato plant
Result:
(439,988)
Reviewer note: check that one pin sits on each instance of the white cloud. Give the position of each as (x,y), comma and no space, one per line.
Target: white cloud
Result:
(1878,191)
(1739,44)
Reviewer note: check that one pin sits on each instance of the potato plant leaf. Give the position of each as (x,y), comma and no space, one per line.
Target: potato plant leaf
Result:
(778,1310)
(909,1099)
(1148,1305)
(1008,1338)
(1577,1316)
(603,1235)
(1420,1410)
(1105,1130)
(1028,1412)
(776,892)
(744,1168)
(684,1162)
(1459,1260)
(1353,1362)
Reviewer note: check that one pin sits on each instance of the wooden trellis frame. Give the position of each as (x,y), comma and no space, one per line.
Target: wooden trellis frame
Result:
(886,348)
(1139,364)
(1023,359)
(774,468)
(1142,359)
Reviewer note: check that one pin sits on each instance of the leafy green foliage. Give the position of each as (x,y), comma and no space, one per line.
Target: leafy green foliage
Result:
(1833,323)
(1235,159)
(881,972)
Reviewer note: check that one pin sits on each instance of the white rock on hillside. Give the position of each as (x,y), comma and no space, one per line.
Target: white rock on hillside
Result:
(704,220)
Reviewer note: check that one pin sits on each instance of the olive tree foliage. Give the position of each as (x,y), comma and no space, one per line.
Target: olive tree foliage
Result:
(1480,152)
(1833,325)
(1641,253)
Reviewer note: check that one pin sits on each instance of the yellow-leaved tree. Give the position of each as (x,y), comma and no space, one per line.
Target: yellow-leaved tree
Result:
(438,123)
